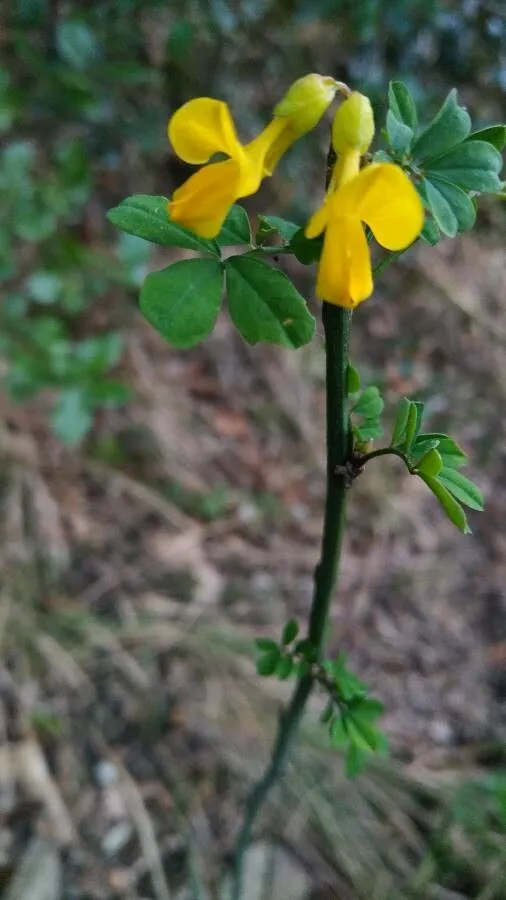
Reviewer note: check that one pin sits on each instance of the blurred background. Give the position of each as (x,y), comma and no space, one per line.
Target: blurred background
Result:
(160,509)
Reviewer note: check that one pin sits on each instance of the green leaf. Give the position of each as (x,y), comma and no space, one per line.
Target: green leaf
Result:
(402,104)
(266,664)
(71,419)
(290,631)
(462,488)
(349,686)
(327,713)
(266,644)
(275,225)
(76,43)
(473,166)
(368,708)
(284,667)
(449,127)
(306,250)
(265,306)
(361,733)
(236,228)
(411,426)
(399,135)
(352,379)
(370,404)
(430,463)
(430,232)
(440,208)
(401,420)
(147,217)
(338,735)
(450,506)
(356,761)
(306,649)
(452,455)
(461,205)
(493,134)
(369,430)
(182,301)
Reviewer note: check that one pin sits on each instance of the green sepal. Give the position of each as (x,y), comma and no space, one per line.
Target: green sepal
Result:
(449,127)
(147,217)
(402,104)
(264,304)
(449,504)
(183,301)
(236,228)
(462,488)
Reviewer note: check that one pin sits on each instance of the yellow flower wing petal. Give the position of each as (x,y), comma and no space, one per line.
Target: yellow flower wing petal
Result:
(202,127)
(265,151)
(318,221)
(203,201)
(344,274)
(332,283)
(382,196)
(359,261)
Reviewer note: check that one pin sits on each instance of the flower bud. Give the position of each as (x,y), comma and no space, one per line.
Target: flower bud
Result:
(353,126)
(306,101)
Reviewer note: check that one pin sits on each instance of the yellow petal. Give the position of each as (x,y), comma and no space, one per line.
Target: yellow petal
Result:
(201,128)
(318,221)
(359,261)
(203,201)
(383,197)
(332,283)
(344,273)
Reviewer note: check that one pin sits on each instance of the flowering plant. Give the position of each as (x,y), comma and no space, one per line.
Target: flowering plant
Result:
(423,183)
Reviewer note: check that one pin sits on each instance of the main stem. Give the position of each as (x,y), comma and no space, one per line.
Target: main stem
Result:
(336,324)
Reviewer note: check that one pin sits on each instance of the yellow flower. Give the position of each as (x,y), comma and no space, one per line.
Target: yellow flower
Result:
(380,195)
(204,127)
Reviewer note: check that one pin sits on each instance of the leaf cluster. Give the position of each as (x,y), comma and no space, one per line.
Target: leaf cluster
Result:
(450,164)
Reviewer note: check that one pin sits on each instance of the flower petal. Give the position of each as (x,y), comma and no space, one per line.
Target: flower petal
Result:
(203,201)
(344,273)
(332,283)
(318,221)
(202,127)
(382,196)
(359,260)
(268,147)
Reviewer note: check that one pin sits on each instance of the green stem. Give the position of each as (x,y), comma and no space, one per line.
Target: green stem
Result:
(336,324)
(386,451)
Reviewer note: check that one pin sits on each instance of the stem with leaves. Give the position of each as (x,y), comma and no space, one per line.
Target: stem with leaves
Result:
(336,324)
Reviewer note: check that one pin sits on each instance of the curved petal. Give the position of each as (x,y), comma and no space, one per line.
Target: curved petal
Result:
(332,283)
(263,154)
(203,201)
(383,197)
(318,221)
(359,260)
(344,274)
(202,127)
